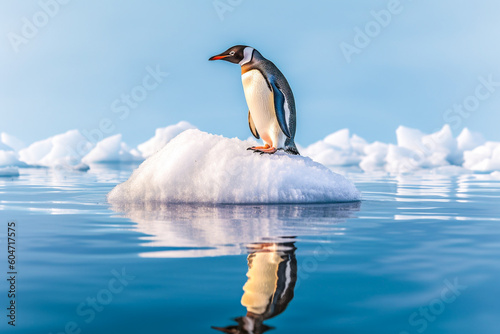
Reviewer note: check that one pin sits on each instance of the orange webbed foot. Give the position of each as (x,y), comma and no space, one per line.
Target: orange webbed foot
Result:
(257,148)
(270,150)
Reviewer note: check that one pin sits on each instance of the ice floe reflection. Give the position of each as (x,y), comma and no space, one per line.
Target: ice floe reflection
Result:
(180,231)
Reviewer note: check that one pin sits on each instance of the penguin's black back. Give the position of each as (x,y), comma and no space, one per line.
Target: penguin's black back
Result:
(267,68)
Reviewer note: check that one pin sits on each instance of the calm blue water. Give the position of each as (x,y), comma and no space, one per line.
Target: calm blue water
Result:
(419,254)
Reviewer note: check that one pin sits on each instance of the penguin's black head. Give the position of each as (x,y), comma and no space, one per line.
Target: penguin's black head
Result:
(235,54)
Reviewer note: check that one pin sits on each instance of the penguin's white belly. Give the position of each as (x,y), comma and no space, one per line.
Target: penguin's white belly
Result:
(260,102)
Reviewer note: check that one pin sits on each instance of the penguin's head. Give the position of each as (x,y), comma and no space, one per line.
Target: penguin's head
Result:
(238,54)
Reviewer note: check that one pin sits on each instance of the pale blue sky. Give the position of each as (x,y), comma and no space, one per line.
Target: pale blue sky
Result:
(88,54)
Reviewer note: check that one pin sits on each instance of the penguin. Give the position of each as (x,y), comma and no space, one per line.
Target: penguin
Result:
(272,274)
(271,114)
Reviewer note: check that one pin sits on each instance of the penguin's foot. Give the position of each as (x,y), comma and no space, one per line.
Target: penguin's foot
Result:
(270,150)
(259,147)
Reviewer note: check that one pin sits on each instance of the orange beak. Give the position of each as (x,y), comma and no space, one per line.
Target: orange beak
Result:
(218,57)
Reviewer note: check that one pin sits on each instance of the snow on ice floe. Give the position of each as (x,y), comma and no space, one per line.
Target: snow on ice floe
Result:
(197,167)
(162,137)
(112,149)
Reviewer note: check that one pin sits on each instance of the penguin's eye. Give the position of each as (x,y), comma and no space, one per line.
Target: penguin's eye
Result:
(231,53)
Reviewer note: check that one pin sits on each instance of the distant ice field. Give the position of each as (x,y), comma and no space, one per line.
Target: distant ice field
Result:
(414,151)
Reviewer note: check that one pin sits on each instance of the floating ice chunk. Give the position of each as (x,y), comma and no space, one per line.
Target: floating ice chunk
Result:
(442,143)
(402,160)
(9,171)
(11,141)
(468,140)
(112,149)
(9,158)
(374,158)
(409,138)
(434,150)
(415,150)
(198,167)
(339,139)
(162,137)
(63,150)
(483,158)
(8,147)
(358,144)
(337,149)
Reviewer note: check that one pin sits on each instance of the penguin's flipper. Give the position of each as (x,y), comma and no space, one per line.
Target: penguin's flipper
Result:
(252,126)
(279,107)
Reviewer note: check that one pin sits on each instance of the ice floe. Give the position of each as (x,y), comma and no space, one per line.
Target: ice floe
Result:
(112,149)
(198,167)
(9,171)
(483,158)
(9,145)
(63,150)
(412,152)
(162,137)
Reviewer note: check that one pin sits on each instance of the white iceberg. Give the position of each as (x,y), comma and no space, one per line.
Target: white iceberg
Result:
(424,151)
(64,151)
(374,158)
(483,158)
(9,158)
(414,151)
(197,167)
(337,149)
(11,141)
(111,149)
(468,140)
(9,145)
(162,137)
(9,171)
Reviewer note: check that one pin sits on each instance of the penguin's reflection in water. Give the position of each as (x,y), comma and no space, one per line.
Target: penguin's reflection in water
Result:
(272,274)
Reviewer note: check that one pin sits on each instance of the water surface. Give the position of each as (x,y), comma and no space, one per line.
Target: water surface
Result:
(418,254)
